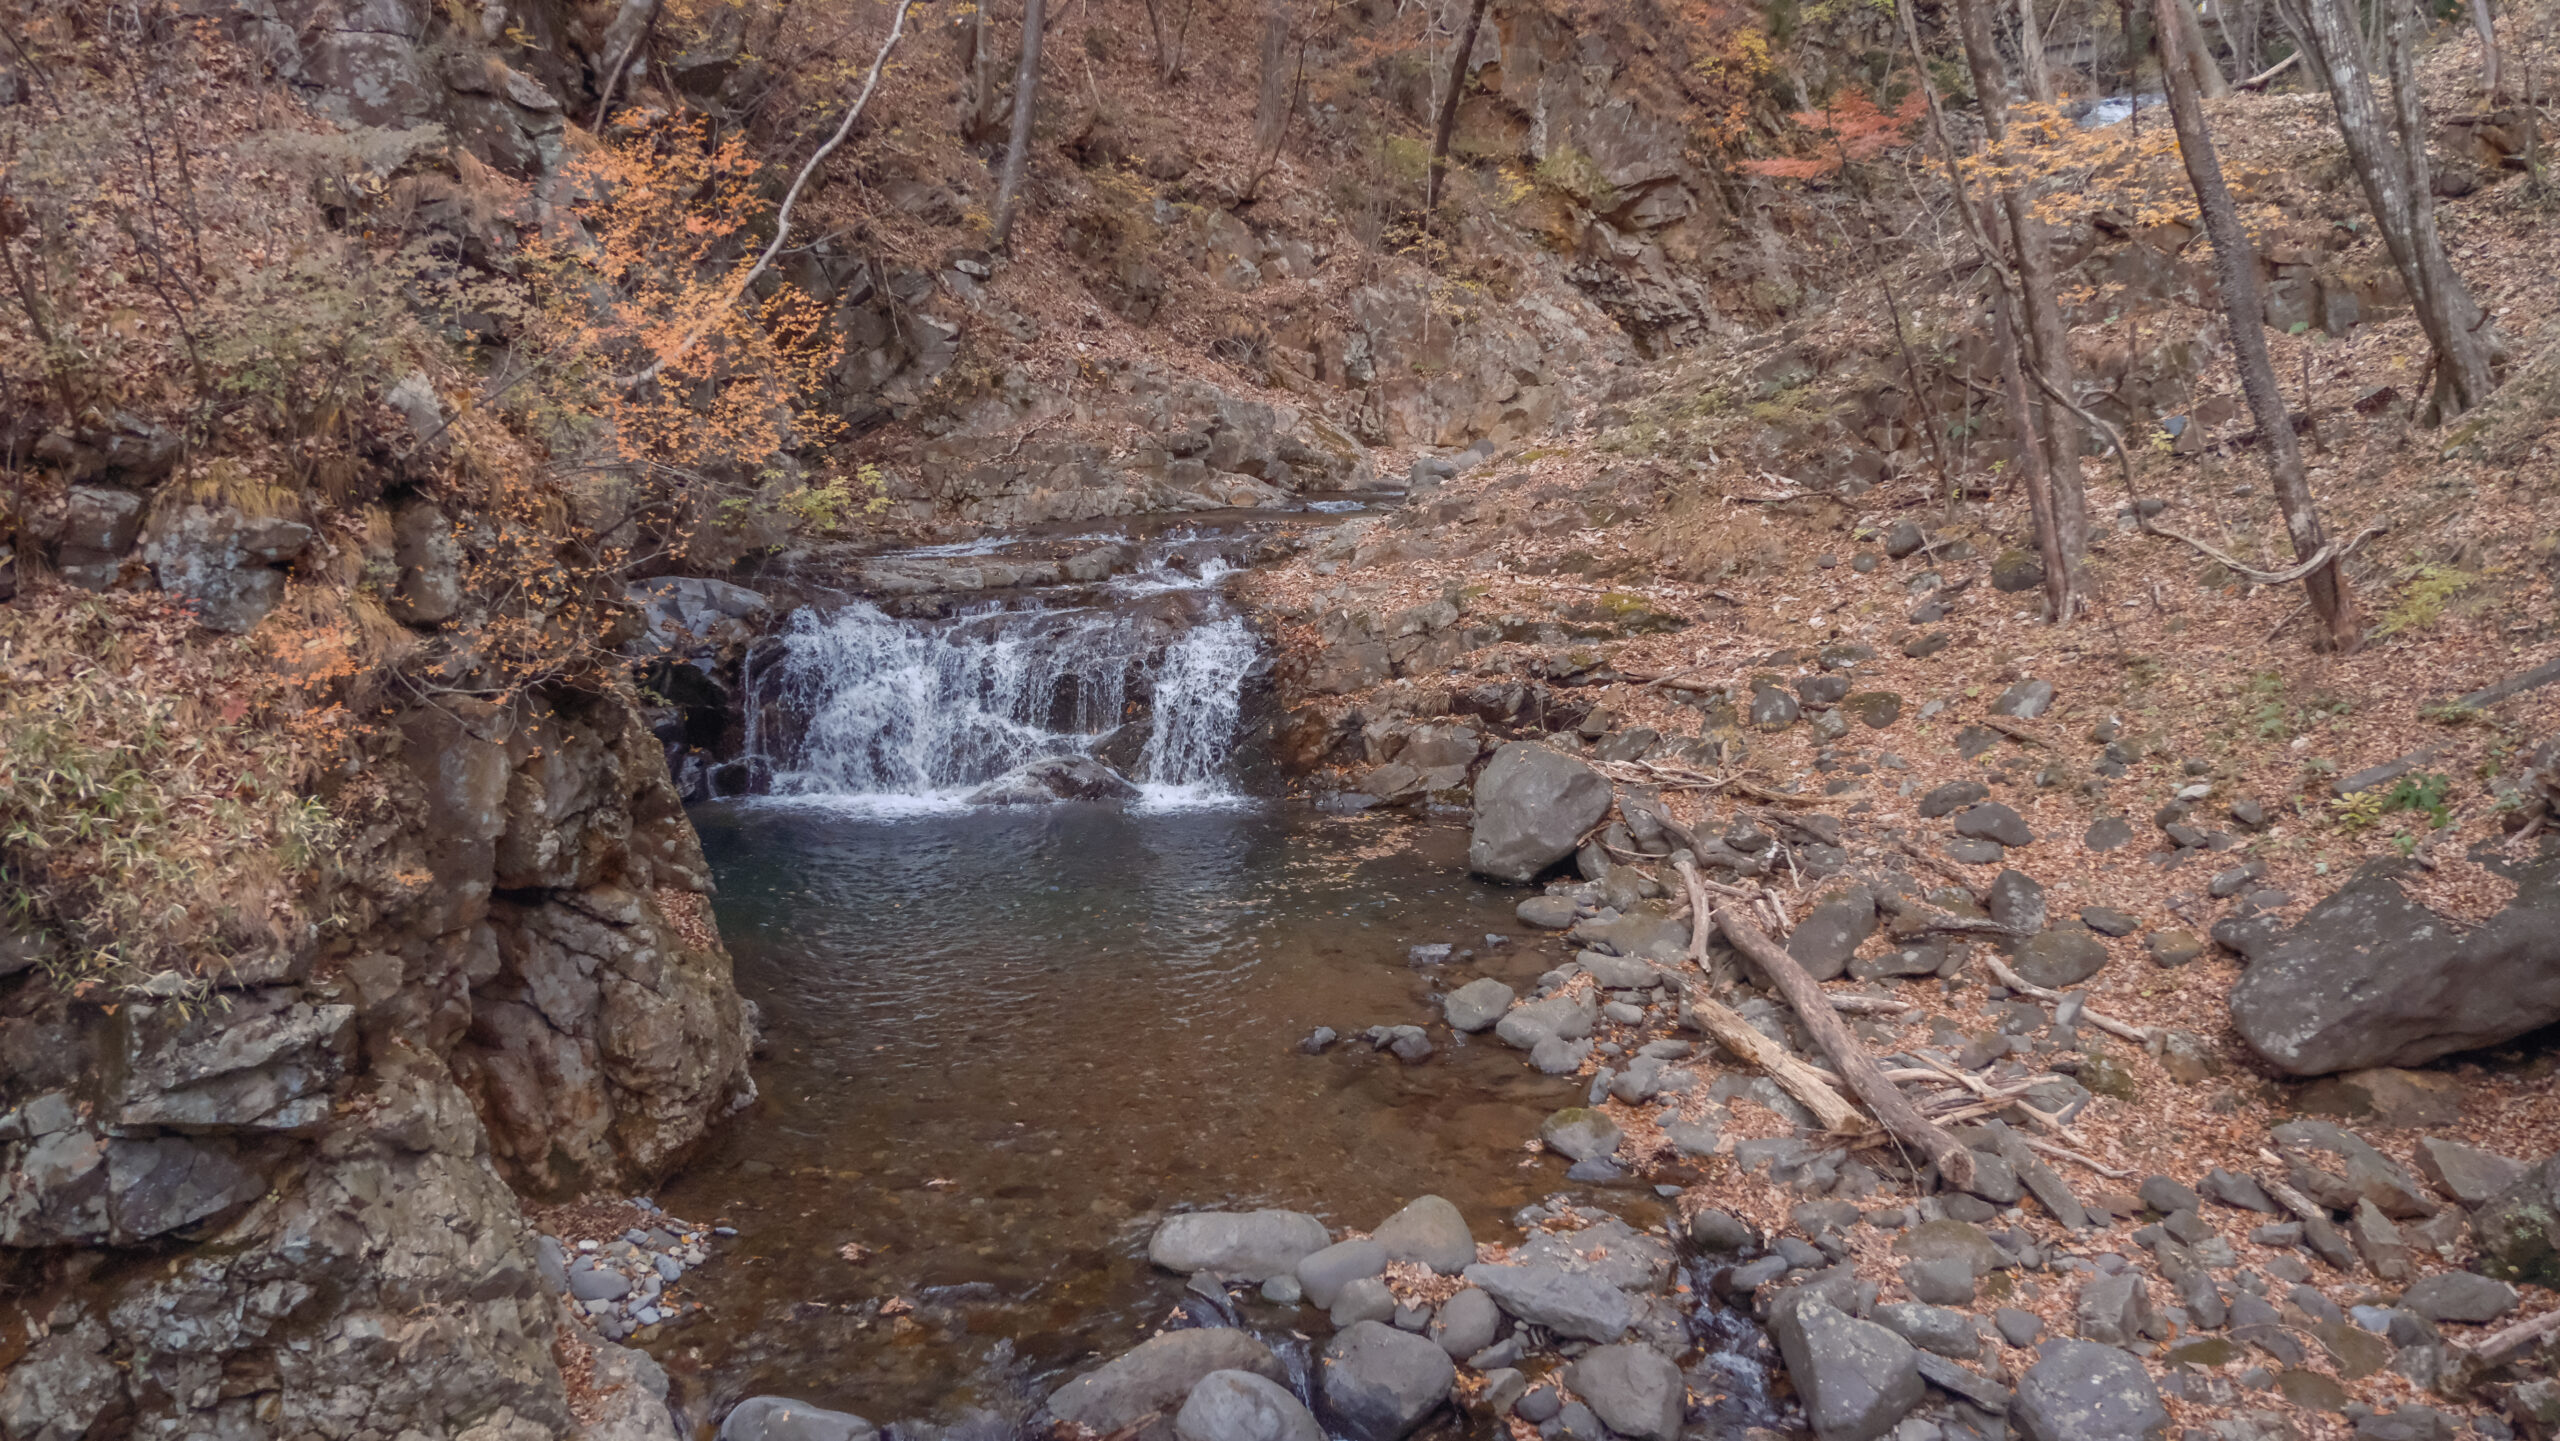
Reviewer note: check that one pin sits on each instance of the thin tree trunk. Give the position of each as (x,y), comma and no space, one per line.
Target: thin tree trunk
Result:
(2194,51)
(1271,105)
(2031,472)
(2491,62)
(1448,126)
(2393,172)
(2236,272)
(1026,103)
(2031,54)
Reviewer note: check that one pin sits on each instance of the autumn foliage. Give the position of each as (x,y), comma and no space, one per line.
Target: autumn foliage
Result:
(1851,128)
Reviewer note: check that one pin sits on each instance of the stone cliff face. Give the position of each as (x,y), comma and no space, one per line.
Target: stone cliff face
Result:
(288,1211)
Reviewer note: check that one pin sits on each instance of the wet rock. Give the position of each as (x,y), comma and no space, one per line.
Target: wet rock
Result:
(2372,978)
(1562,1018)
(1322,1275)
(1992,821)
(2026,700)
(1380,1383)
(1236,1245)
(1059,778)
(778,1418)
(1364,1299)
(2464,1173)
(1580,1134)
(1315,1041)
(1241,1406)
(2082,1391)
(2461,1296)
(1581,1307)
(1149,1383)
(1633,1390)
(1532,806)
(1856,1378)
(1430,1232)
(1552,913)
(1466,1323)
(2059,958)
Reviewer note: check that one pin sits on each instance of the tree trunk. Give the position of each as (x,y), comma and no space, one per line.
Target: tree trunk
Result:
(1026,98)
(1450,94)
(1271,106)
(2031,54)
(2491,62)
(2194,52)
(2046,331)
(2058,573)
(2393,171)
(2235,266)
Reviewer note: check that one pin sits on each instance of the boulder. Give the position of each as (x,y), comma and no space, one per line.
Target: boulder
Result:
(222,561)
(2460,1296)
(1241,1406)
(1633,1390)
(1580,1134)
(2518,1232)
(1380,1382)
(1428,1232)
(2059,958)
(1931,1328)
(1058,778)
(1563,1018)
(2372,978)
(2082,1391)
(1856,1378)
(1236,1245)
(1532,806)
(1477,1005)
(1466,1323)
(778,1418)
(1581,1307)
(2465,1174)
(1144,1387)
(1323,1275)
(1840,922)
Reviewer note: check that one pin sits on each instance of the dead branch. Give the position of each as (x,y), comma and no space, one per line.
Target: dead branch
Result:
(2007,977)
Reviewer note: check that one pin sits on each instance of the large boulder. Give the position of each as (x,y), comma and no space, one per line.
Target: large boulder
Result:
(1429,1231)
(1380,1382)
(1237,1245)
(2372,978)
(1856,1378)
(223,562)
(1532,807)
(1059,778)
(1582,1307)
(1144,1388)
(1240,1406)
(1632,1389)
(2082,1391)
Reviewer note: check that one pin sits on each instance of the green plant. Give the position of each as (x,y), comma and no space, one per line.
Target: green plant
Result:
(1570,172)
(2429,794)
(2431,587)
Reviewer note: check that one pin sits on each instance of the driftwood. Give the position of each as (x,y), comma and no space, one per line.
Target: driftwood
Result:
(1810,1087)
(2507,1340)
(2007,977)
(1893,1110)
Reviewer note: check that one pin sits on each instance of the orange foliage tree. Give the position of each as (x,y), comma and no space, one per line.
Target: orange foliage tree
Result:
(1851,128)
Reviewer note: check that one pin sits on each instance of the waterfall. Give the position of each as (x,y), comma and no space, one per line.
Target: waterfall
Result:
(922,711)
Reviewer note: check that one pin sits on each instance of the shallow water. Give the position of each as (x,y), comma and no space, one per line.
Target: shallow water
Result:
(1004,1044)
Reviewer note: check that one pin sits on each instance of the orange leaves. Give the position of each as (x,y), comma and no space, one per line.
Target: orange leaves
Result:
(1851,128)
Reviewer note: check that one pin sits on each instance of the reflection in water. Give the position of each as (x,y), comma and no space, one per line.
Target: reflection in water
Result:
(1002,1044)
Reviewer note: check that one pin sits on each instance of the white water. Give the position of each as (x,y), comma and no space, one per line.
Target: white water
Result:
(911,716)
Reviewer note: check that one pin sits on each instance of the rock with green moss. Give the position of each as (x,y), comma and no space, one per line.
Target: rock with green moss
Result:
(2518,1232)
(2107,1077)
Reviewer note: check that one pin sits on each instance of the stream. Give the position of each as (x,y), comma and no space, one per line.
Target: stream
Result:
(1004,1042)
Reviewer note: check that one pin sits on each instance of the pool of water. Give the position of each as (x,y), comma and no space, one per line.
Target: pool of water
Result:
(1003,1044)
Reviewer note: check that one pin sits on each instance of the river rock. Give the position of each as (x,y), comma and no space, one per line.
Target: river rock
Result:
(778,1418)
(1322,1275)
(1476,1005)
(1380,1382)
(1855,1377)
(1364,1299)
(1632,1389)
(1240,1406)
(1236,1245)
(1580,1133)
(1466,1323)
(2082,1391)
(1146,1385)
(1430,1232)
(1058,778)
(1532,806)
(1580,1307)
(2372,978)
(1551,913)
(1563,1018)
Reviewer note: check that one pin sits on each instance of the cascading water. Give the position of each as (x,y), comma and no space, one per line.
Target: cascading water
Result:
(925,710)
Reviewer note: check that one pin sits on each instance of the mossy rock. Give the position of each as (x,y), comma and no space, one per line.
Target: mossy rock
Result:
(2105,1076)
(2519,1230)
(1878,708)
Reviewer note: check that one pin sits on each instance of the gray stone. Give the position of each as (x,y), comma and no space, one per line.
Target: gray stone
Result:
(779,1418)
(1975,853)
(58,1387)
(1856,1378)
(1532,807)
(1954,796)
(1564,1018)
(2466,1174)
(1236,1245)
(1951,1240)
(1581,1307)
(2172,948)
(1580,1134)
(590,1282)
(1904,539)
(1941,1281)
(1150,1382)
(1466,1323)
(1840,921)
(1773,709)
(1380,1383)
(2026,700)
(2237,1191)
(2114,1310)
(2018,1328)
(1992,821)
(2461,1296)
(2017,901)
(2365,1171)
(1055,779)
(2165,1195)
(1430,1232)
(1363,1299)
(2108,921)
(1551,913)
(1720,1232)
(222,561)
(1477,1005)
(2107,833)
(1633,1390)
(2372,978)
(1931,1328)
(2059,958)
(2082,1391)
(1241,1406)
(1323,1274)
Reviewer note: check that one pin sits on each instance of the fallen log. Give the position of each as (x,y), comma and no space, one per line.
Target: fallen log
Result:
(1893,1110)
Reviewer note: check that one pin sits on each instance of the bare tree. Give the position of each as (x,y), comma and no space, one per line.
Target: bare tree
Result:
(2491,62)
(2194,52)
(1449,96)
(2398,187)
(2031,55)
(1169,51)
(1026,103)
(2235,266)
(1278,99)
